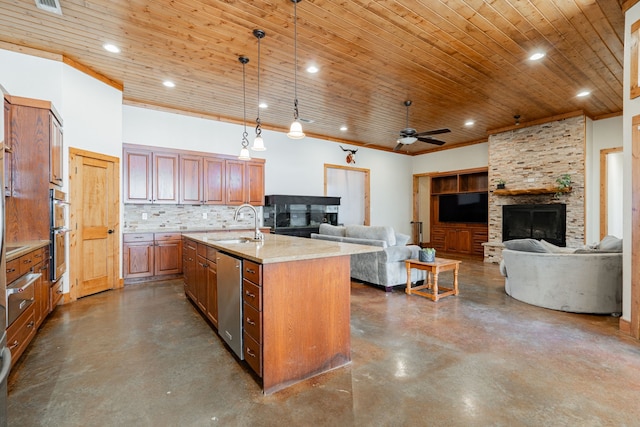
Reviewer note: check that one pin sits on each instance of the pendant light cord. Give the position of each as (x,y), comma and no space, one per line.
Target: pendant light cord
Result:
(245,141)
(258,127)
(295,59)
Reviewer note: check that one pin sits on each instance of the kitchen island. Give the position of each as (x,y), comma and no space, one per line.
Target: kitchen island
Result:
(295,301)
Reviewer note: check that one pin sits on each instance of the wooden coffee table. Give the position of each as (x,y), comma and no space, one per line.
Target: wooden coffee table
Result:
(433,269)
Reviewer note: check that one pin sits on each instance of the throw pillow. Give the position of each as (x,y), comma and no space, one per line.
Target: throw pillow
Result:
(610,244)
(402,239)
(525,245)
(332,230)
(555,249)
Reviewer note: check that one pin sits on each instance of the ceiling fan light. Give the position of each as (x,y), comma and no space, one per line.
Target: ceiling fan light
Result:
(407,140)
(258,144)
(295,131)
(244,154)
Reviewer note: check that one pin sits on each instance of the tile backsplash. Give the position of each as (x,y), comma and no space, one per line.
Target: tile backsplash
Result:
(185,217)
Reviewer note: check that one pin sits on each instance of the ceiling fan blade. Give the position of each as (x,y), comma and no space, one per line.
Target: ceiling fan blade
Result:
(433,132)
(432,141)
(398,147)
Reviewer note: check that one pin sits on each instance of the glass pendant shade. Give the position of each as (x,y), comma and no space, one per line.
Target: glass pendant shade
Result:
(244,154)
(295,131)
(258,144)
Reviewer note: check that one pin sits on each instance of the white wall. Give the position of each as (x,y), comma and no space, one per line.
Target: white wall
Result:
(292,166)
(469,157)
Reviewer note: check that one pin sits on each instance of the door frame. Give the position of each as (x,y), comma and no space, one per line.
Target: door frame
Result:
(367,187)
(604,188)
(75,193)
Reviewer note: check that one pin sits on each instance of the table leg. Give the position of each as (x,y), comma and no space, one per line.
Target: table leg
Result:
(407,290)
(435,285)
(455,280)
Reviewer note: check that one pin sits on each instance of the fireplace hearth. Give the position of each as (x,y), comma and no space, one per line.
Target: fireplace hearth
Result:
(543,221)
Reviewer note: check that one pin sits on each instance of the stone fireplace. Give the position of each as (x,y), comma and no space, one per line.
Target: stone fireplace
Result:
(530,159)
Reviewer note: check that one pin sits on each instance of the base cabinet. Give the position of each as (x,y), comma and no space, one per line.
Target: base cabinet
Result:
(464,239)
(201,278)
(147,255)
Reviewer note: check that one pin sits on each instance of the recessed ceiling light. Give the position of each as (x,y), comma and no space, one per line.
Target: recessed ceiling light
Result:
(469,123)
(343,128)
(263,105)
(168,83)
(312,69)
(536,56)
(111,48)
(583,93)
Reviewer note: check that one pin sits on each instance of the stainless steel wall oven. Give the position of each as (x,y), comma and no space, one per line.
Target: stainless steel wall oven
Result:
(59,231)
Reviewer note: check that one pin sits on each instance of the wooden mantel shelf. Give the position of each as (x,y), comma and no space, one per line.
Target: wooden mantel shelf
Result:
(531,191)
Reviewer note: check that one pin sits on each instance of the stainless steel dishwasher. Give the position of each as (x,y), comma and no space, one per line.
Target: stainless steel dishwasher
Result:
(230,301)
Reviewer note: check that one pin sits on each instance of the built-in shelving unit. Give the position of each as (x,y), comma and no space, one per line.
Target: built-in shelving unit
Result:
(458,238)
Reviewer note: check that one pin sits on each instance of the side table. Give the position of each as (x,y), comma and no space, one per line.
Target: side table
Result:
(433,269)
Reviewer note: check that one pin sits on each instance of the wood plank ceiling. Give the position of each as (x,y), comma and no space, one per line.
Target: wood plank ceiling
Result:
(457,60)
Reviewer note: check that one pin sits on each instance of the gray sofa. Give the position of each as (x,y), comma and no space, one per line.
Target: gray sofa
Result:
(383,268)
(584,280)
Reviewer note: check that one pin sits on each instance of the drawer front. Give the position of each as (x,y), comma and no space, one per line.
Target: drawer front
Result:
(189,245)
(20,333)
(252,294)
(252,271)
(137,237)
(26,262)
(55,294)
(211,254)
(202,250)
(252,322)
(163,237)
(253,354)
(13,270)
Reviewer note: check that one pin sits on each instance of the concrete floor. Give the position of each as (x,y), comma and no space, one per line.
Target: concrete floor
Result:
(143,356)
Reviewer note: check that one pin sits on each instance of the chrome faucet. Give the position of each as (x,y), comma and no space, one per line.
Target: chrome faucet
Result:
(258,234)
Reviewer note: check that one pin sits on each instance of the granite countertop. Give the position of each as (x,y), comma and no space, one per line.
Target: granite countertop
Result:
(17,249)
(200,230)
(278,247)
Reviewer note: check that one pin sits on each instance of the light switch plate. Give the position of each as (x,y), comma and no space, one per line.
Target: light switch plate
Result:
(144,215)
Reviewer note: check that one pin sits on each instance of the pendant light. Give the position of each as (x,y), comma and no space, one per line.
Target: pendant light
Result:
(258,143)
(244,152)
(295,132)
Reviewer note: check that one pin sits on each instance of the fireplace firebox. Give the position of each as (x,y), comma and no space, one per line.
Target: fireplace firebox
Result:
(546,222)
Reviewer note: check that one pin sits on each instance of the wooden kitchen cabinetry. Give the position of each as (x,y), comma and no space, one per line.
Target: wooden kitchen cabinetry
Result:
(201,278)
(252,318)
(55,149)
(190,177)
(152,254)
(451,237)
(150,176)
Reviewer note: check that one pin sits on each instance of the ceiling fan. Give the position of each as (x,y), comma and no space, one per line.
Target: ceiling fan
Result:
(410,135)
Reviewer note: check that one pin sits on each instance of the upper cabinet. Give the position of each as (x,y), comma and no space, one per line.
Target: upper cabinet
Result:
(55,149)
(150,177)
(187,177)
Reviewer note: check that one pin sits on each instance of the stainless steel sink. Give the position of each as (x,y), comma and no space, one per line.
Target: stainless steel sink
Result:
(236,240)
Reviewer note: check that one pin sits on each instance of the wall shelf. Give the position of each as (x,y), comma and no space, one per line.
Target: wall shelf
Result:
(530,191)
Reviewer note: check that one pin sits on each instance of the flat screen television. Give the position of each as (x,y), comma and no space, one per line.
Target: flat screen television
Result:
(467,207)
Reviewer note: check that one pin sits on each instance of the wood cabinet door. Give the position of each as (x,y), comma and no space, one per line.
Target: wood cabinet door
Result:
(168,257)
(165,178)
(235,179)
(254,183)
(189,268)
(55,150)
(138,259)
(212,293)
(137,176)
(464,241)
(201,283)
(214,180)
(191,182)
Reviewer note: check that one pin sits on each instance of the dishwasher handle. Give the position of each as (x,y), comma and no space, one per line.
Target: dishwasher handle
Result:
(30,280)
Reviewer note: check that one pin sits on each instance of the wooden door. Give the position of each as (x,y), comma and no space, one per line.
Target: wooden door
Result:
(191,186)
(165,178)
(137,176)
(214,180)
(94,223)
(235,182)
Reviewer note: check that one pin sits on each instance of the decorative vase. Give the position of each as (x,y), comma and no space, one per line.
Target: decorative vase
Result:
(500,186)
(424,256)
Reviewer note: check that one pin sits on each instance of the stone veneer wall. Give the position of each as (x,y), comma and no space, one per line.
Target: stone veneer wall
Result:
(184,218)
(533,157)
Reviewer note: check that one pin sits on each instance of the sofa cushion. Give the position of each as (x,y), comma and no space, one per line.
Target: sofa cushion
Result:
(610,244)
(556,249)
(526,245)
(332,230)
(402,239)
(372,232)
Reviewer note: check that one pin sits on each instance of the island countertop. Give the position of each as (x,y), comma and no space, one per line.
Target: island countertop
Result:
(278,247)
